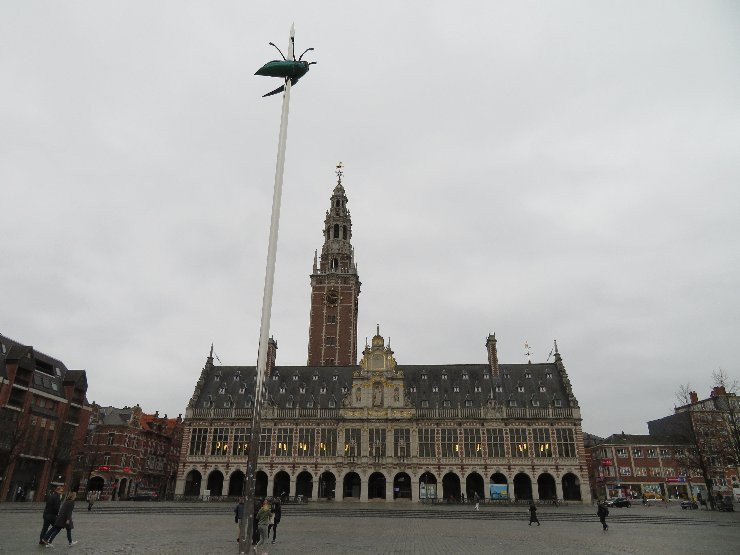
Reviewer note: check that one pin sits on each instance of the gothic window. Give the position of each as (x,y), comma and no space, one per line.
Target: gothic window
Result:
(496,444)
(240,447)
(377,442)
(542,447)
(344,232)
(198,441)
(220,441)
(472,442)
(566,442)
(401,442)
(339,203)
(518,443)
(328,442)
(352,442)
(265,442)
(336,229)
(306,438)
(284,442)
(450,448)
(110,438)
(427,446)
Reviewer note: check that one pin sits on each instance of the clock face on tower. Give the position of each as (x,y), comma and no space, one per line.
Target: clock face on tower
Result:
(332,298)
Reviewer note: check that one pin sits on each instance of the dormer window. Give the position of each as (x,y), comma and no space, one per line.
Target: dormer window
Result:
(435,389)
(542,389)
(520,388)
(302,388)
(334,378)
(535,403)
(275,377)
(465,375)
(209,402)
(446,403)
(512,402)
(506,375)
(444,375)
(412,389)
(345,389)
(282,387)
(499,389)
(548,375)
(310,403)
(242,389)
(468,403)
(332,403)
(217,377)
(315,377)
(222,390)
(423,375)
(323,387)
(558,403)
(527,374)
(424,403)
(486,376)
(228,402)
(289,403)
(456,388)
(237,377)
(295,377)
(248,404)
(477,388)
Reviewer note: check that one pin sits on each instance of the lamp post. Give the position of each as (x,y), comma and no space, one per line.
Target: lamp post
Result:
(290,70)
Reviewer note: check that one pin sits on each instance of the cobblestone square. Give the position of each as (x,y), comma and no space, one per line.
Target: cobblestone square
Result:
(379,528)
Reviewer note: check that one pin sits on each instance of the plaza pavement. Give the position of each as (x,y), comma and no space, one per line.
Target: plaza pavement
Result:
(393,528)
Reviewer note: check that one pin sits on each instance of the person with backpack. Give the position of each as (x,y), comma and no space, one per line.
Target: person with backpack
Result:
(602,512)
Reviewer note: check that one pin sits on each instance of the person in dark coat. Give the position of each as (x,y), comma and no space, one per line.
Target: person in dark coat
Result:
(238,516)
(63,520)
(602,512)
(533,514)
(51,509)
(277,512)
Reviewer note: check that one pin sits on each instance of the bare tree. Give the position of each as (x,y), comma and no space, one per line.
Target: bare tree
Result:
(727,405)
(12,440)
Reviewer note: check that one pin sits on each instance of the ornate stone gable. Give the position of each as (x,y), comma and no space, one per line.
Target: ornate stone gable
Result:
(377,383)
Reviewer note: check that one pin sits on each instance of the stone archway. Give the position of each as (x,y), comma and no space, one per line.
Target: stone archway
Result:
(304,484)
(352,485)
(281,484)
(571,487)
(215,483)
(451,487)
(96,483)
(236,483)
(260,484)
(327,485)
(402,486)
(427,486)
(122,493)
(522,487)
(546,487)
(376,486)
(499,488)
(474,484)
(192,483)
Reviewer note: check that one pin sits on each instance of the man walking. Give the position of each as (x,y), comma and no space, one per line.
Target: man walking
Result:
(276,514)
(91,498)
(533,514)
(602,512)
(53,502)
(238,516)
(476,498)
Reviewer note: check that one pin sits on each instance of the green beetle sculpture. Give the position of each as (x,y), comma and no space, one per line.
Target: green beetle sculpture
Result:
(285,69)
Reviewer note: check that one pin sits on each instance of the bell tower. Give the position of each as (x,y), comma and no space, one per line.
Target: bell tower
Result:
(335,287)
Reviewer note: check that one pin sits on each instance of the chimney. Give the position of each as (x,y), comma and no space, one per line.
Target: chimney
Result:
(694,397)
(717,391)
(492,355)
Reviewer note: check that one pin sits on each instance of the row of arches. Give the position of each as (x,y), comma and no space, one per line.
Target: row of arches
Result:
(351,487)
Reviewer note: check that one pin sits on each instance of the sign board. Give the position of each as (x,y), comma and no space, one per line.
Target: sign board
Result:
(499,491)
(675,479)
(606,462)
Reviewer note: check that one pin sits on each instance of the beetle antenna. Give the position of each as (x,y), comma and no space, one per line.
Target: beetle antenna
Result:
(306,50)
(312,63)
(276,48)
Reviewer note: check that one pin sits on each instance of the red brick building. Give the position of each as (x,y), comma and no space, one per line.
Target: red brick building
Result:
(43,419)
(627,465)
(127,451)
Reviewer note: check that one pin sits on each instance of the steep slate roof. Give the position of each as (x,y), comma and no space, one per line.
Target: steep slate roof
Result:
(640,439)
(112,416)
(45,376)
(233,386)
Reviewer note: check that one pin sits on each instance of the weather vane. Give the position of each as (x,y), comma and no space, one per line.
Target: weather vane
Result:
(527,350)
(288,68)
(339,172)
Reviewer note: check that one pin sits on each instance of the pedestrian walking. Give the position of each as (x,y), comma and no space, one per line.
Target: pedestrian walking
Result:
(476,498)
(533,514)
(238,516)
(263,518)
(51,509)
(602,512)
(63,520)
(276,512)
(91,498)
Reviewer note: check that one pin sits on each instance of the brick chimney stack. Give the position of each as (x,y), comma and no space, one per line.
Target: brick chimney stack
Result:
(492,355)
(694,397)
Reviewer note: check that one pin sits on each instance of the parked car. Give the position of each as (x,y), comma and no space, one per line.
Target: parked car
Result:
(688,504)
(618,502)
(145,496)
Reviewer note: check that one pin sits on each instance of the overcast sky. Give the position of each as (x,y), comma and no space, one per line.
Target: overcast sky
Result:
(543,170)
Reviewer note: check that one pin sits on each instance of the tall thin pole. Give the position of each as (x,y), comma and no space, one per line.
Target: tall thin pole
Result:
(246,528)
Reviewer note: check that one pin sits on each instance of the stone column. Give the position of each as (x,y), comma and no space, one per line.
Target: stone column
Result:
(180,486)
(270,485)
(535,489)
(389,488)
(363,488)
(339,487)
(292,486)
(559,488)
(415,490)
